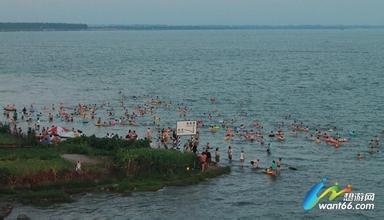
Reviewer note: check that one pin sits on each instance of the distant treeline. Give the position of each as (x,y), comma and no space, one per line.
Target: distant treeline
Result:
(229,27)
(41,27)
(69,27)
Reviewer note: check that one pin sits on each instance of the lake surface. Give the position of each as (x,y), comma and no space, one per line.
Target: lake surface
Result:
(325,78)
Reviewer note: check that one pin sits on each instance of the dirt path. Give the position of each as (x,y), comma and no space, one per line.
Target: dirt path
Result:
(82,158)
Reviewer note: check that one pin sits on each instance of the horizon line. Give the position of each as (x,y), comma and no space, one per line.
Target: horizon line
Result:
(46,26)
(191,25)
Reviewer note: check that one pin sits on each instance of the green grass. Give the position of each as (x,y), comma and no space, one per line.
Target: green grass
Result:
(69,148)
(149,162)
(33,166)
(82,148)
(101,146)
(8,139)
(60,192)
(136,168)
(29,161)
(42,153)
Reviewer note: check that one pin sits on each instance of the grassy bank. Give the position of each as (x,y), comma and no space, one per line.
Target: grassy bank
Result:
(39,175)
(8,139)
(62,192)
(29,161)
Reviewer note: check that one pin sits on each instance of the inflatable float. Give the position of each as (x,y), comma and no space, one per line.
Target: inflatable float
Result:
(10,108)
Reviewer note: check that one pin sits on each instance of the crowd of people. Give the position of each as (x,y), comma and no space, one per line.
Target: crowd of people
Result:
(42,122)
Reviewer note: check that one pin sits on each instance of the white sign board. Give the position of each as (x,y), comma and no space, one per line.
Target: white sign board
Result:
(186,128)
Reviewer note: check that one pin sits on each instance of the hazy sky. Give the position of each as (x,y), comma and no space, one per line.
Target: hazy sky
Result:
(177,12)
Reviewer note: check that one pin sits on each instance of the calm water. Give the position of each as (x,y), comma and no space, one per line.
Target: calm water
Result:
(325,78)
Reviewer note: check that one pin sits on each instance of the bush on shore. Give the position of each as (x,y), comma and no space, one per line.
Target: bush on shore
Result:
(145,162)
(100,146)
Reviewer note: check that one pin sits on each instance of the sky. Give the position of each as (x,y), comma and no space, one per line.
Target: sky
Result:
(196,12)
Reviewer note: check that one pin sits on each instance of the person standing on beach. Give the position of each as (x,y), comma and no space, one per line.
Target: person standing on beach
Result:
(194,147)
(78,167)
(203,161)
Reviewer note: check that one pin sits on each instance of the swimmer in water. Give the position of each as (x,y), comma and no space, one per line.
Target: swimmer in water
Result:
(269,148)
(359,156)
(255,163)
(274,167)
(278,164)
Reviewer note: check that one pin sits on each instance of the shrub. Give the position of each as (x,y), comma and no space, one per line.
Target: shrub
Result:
(70,148)
(4,174)
(27,153)
(102,144)
(77,140)
(80,149)
(144,162)
(30,140)
(113,143)
(4,128)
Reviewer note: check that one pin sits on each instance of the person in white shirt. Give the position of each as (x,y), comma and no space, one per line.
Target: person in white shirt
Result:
(78,166)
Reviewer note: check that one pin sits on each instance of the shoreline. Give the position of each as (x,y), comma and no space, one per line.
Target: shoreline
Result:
(62,192)
(65,192)
(44,175)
